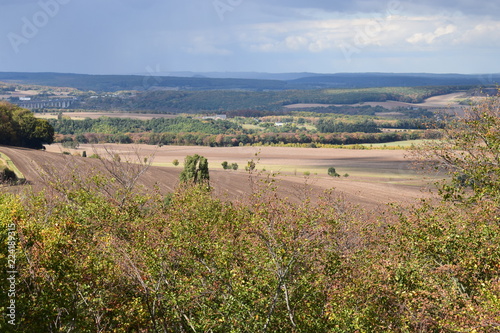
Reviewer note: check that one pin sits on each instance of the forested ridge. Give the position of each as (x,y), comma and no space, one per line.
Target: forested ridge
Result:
(113,83)
(230,100)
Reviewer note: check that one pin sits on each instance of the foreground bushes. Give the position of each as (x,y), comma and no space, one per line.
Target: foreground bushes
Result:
(87,262)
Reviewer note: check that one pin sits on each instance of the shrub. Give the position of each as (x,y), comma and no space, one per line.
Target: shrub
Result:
(175,162)
(332,172)
(250,166)
(70,144)
(7,176)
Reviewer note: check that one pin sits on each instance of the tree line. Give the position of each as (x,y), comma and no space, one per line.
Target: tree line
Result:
(128,125)
(223,133)
(333,126)
(232,140)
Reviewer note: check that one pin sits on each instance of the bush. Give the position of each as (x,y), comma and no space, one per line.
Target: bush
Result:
(225,165)
(234,166)
(332,172)
(140,263)
(250,166)
(70,144)
(175,162)
(7,176)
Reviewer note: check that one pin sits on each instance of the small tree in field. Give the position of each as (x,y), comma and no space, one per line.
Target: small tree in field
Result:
(332,172)
(225,165)
(175,162)
(250,166)
(234,166)
(195,170)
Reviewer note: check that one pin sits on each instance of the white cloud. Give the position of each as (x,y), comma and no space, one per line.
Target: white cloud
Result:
(201,45)
(296,42)
(395,32)
(431,37)
(481,34)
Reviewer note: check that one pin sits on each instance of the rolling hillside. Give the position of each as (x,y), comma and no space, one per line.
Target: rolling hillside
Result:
(228,185)
(281,82)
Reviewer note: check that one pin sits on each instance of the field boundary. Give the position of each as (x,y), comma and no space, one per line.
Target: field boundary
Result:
(11,166)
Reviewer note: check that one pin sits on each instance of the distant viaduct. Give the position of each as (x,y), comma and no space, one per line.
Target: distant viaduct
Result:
(55,103)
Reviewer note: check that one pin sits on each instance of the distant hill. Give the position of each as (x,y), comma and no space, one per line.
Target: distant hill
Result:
(111,83)
(243,75)
(371,80)
(246,81)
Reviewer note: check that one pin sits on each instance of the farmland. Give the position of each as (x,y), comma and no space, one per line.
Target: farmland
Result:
(374,177)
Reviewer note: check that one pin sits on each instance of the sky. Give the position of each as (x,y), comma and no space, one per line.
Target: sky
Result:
(275,36)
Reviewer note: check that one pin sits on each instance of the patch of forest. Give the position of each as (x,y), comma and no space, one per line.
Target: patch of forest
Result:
(311,131)
(229,101)
(18,127)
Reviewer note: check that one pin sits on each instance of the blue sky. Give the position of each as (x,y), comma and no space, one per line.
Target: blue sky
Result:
(323,36)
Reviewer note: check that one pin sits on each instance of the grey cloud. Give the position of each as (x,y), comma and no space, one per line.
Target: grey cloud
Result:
(126,36)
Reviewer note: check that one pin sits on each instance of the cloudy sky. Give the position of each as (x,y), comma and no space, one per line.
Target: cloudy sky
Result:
(323,36)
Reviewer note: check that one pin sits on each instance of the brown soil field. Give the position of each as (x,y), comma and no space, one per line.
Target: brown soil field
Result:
(376,177)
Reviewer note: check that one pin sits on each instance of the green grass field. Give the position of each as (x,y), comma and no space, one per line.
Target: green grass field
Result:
(395,144)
